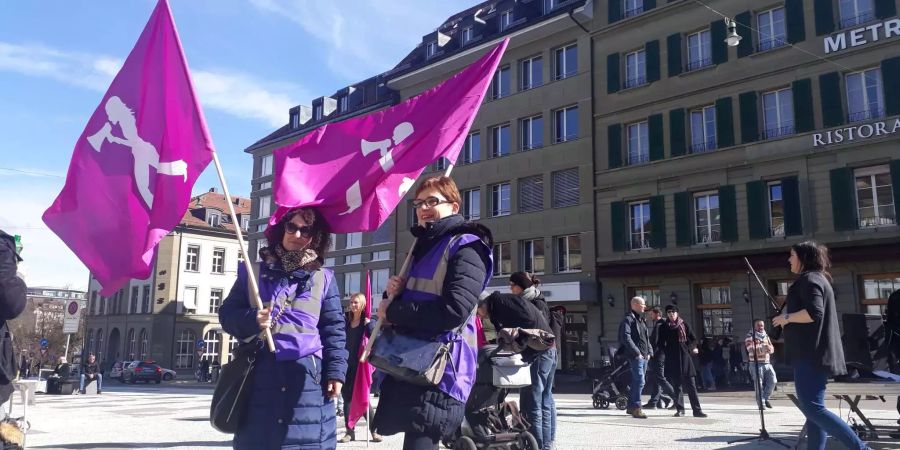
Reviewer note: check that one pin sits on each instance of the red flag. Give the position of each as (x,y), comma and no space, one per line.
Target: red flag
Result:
(363,381)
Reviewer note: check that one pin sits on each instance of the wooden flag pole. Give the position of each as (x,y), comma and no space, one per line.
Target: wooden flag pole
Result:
(254,286)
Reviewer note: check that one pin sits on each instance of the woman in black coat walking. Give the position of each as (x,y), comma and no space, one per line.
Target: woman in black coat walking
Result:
(679,344)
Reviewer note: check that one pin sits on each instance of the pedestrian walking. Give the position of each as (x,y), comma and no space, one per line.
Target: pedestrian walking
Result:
(760,348)
(291,399)
(678,342)
(660,389)
(634,340)
(708,350)
(357,326)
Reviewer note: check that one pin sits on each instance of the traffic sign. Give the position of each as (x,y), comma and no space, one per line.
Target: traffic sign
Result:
(201,343)
(72,317)
(44,343)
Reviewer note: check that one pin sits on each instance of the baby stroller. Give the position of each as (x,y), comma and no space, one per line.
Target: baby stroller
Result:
(490,421)
(613,383)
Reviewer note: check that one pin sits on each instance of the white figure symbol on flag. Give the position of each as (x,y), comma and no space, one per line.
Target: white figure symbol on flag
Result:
(386,160)
(145,154)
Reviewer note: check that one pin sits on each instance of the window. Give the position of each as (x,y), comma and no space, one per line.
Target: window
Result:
(213,218)
(265,206)
(332,242)
(135,300)
(855,12)
(502,259)
(640,225)
(189,301)
(699,49)
(441,164)
(703,129)
(354,240)
(144,351)
(874,199)
(632,8)
(295,120)
(430,49)
(568,253)
(500,200)
(532,72)
(472,149)
(265,165)
(650,294)
(218,260)
(771,28)
(215,300)
(550,5)
(468,34)
(265,185)
(471,207)
(776,209)
(262,226)
(317,112)
(379,284)
(500,83)
(353,259)
(531,194)
(499,141)
(145,300)
(329,262)
(533,256)
(192,259)
(532,132)
(715,309)
(865,96)
(382,255)
(213,342)
(184,357)
(566,62)
(638,143)
(132,344)
(778,113)
(245,223)
(90,341)
(877,289)
(343,103)
(635,69)
(412,218)
(706,217)
(261,244)
(351,283)
(565,188)
(566,124)
(506,19)
(99,348)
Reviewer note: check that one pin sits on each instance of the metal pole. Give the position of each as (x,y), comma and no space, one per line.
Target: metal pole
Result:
(66,352)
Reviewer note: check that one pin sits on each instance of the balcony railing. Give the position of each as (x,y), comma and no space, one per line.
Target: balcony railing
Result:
(566,137)
(772,133)
(847,22)
(639,242)
(867,222)
(770,43)
(634,11)
(705,236)
(703,147)
(564,75)
(635,82)
(859,116)
(697,64)
(777,231)
(638,158)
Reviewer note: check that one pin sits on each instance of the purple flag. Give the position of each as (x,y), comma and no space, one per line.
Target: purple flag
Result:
(356,171)
(130,179)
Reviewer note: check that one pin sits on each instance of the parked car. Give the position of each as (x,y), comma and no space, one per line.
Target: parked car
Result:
(168,374)
(118,368)
(142,371)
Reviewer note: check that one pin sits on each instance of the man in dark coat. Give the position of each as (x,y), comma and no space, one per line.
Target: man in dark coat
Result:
(90,371)
(12,303)
(660,389)
(678,342)
(634,340)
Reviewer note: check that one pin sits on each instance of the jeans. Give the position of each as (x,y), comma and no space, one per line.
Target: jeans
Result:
(809,381)
(656,379)
(638,367)
(767,375)
(99,382)
(706,372)
(537,399)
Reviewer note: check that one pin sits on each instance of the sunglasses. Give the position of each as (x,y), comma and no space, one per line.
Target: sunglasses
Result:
(430,202)
(291,228)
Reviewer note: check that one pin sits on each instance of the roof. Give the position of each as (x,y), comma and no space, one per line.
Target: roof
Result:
(195,216)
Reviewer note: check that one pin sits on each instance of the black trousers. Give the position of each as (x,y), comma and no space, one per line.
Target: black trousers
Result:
(416,441)
(685,385)
(347,394)
(656,381)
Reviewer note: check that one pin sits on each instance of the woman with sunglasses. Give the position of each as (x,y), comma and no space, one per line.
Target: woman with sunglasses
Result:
(290,402)
(450,266)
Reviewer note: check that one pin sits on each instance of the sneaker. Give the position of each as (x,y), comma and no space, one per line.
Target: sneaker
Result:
(347,437)
(768,405)
(666,401)
(649,405)
(81,391)
(99,392)
(629,410)
(638,414)
(679,413)
(700,414)
(377,437)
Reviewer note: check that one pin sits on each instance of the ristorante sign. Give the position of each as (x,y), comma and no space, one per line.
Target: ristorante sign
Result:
(862,35)
(852,133)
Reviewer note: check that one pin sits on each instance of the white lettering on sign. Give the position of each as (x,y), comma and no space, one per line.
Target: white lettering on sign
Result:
(851,133)
(861,36)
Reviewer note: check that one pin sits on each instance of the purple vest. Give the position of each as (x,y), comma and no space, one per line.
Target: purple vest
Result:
(425,282)
(296,304)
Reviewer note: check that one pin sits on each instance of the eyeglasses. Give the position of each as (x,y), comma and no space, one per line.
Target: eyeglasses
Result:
(291,228)
(430,202)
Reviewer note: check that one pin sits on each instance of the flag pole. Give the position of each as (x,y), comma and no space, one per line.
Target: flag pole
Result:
(254,286)
(375,331)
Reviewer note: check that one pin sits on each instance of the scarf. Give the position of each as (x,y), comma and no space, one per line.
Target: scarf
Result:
(531,293)
(759,335)
(682,331)
(292,261)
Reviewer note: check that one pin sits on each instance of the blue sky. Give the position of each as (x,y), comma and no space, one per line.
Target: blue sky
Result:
(251,60)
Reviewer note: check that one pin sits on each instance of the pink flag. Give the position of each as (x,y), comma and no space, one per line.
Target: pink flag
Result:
(356,171)
(132,170)
(363,381)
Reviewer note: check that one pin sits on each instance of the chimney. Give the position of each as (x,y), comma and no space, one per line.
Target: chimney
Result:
(212,189)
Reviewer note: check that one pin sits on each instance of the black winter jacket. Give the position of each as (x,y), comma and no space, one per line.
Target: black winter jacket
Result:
(512,311)
(12,288)
(633,336)
(818,342)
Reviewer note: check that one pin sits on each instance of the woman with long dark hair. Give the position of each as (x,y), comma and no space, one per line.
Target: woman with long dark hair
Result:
(813,343)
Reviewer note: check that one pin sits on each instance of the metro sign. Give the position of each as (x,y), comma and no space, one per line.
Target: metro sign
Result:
(862,35)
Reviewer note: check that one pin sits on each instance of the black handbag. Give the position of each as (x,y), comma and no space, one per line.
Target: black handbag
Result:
(229,402)
(9,363)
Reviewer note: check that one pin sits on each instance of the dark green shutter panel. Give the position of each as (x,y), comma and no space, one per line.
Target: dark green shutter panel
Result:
(677,138)
(614,139)
(615,11)
(830,94)
(745,47)
(724,123)
(649,4)
(803,114)
(728,213)
(656,137)
(683,230)
(757,210)
(717,34)
(843,200)
(793,11)
(612,73)
(790,194)
(673,44)
(749,117)
(652,52)
(885,9)
(890,71)
(658,221)
(825,17)
(895,182)
(618,225)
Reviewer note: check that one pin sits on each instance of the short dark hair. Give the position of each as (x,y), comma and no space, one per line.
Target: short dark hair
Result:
(670,308)
(758,320)
(813,257)
(656,310)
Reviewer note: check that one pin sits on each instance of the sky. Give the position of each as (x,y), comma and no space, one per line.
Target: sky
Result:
(251,60)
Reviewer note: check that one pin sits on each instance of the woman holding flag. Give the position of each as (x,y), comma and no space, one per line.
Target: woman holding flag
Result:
(358,327)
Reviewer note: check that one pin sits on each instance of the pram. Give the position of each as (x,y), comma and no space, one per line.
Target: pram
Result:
(613,383)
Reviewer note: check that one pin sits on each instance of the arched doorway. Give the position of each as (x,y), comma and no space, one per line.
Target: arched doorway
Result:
(112,348)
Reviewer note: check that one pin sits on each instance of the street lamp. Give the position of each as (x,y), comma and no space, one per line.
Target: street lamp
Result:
(611,300)
(733,38)
(674,298)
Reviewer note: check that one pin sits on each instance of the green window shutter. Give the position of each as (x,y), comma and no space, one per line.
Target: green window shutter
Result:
(612,74)
(652,53)
(895,183)
(614,139)
(649,4)
(793,11)
(717,34)
(830,94)
(749,117)
(683,230)
(618,225)
(677,138)
(803,114)
(824,17)
(673,44)
(885,9)
(757,209)
(615,11)
(790,194)
(843,200)
(728,213)
(656,137)
(745,47)
(890,70)
(658,221)
(724,123)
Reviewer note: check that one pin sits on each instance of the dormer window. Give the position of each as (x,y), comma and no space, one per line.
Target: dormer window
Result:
(506,19)
(213,218)
(317,112)
(468,34)
(430,49)
(295,120)
(343,103)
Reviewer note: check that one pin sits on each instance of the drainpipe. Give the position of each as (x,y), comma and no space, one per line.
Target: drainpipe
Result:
(177,277)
